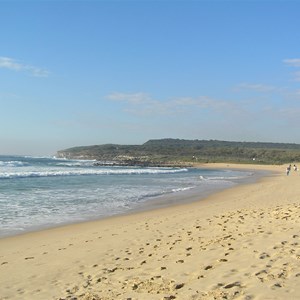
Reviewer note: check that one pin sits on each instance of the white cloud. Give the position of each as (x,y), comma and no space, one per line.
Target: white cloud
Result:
(14,65)
(294,62)
(139,103)
(143,104)
(203,102)
(297,76)
(256,87)
(9,63)
(136,98)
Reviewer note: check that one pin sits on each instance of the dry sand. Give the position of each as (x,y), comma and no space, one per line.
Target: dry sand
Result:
(242,243)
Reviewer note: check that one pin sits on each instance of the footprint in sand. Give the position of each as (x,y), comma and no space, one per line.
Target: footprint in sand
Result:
(231,285)
(30,257)
(264,255)
(276,285)
(169,297)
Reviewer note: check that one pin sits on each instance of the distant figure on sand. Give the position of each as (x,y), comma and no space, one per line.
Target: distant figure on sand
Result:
(295,168)
(288,169)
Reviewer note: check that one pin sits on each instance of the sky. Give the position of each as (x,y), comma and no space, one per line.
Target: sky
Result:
(76,73)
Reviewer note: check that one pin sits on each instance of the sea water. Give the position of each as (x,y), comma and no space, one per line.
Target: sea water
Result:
(42,192)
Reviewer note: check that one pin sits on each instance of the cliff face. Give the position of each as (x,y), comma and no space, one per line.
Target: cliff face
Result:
(175,151)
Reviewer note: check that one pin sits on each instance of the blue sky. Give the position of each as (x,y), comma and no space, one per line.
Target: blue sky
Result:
(93,72)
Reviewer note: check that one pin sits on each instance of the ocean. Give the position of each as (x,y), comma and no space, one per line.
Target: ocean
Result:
(44,192)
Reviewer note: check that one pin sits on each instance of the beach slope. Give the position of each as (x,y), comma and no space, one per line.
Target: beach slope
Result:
(241,243)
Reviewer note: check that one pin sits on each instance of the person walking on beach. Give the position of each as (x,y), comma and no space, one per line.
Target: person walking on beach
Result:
(288,169)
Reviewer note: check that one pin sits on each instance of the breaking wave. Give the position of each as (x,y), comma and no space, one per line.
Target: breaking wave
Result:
(81,172)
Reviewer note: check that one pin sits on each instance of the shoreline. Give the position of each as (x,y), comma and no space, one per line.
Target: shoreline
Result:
(193,196)
(162,201)
(240,243)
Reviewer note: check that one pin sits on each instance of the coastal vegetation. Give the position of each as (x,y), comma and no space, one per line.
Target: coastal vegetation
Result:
(186,152)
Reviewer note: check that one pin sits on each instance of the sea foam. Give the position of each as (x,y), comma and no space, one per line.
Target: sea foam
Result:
(39,192)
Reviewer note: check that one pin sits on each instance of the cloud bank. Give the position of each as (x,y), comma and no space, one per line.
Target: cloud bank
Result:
(293,62)
(14,65)
(143,104)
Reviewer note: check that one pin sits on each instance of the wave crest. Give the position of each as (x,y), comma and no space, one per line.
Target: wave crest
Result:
(53,173)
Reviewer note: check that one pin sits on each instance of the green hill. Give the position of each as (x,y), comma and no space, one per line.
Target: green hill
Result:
(178,151)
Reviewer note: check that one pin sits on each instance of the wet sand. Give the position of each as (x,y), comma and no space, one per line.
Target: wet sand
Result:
(241,243)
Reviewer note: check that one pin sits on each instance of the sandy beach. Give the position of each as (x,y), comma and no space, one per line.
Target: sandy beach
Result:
(241,243)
